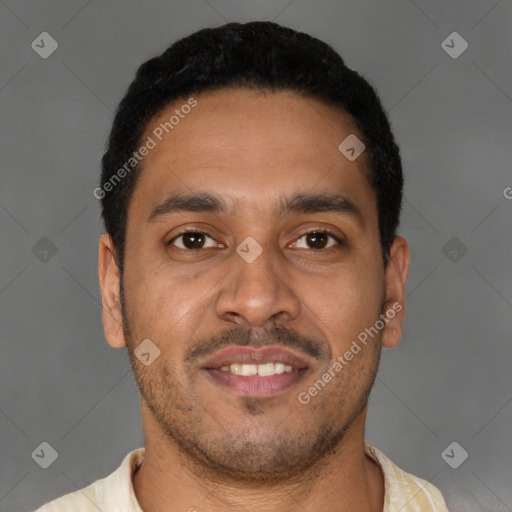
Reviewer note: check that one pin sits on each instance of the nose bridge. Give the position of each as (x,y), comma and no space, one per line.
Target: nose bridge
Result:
(257,290)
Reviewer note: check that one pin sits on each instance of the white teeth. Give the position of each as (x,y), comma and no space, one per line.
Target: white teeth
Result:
(266,369)
(236,368)
(249,369)
(278,367)
(262,370)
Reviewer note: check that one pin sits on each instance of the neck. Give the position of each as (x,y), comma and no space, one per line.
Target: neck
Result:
(344,481)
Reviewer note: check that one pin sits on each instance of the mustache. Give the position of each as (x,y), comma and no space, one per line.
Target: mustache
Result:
(277,335)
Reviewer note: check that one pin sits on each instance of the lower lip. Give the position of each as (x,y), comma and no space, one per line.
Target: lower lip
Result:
(257,386)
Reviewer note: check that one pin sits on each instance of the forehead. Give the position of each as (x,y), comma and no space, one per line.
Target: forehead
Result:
(250,146)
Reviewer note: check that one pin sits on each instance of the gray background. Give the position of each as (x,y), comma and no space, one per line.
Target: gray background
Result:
(450,378)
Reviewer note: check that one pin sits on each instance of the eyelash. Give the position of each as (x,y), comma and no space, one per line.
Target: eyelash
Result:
(314,231)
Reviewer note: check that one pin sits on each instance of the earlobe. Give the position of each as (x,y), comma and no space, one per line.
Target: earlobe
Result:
(108,275)
(396,279)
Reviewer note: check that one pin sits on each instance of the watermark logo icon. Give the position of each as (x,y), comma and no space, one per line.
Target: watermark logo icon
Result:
(249,249)
(454,250)
(45,455)
(44,250)
(454,455)
(146,352)
(44,45)
(454,45)
(351,147)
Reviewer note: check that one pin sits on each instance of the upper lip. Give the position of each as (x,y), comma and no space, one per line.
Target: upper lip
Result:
(251,355)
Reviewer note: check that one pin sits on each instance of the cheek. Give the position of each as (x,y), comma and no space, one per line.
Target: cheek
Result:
(164,304)
(348,302)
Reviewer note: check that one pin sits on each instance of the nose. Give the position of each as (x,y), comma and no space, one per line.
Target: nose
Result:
(257,293)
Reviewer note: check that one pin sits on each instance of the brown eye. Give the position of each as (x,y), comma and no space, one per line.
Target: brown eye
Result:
(190,240)
(193,240)
(318,240)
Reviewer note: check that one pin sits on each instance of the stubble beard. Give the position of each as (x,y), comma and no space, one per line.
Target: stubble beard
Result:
(242,456)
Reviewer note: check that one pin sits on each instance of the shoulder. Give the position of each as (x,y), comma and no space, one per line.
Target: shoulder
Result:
(106,494)
(83,500)
(404,491)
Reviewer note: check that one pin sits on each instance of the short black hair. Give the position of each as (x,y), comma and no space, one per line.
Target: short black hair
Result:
(261,55)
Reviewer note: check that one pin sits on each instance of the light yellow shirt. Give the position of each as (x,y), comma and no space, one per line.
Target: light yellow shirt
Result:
(403,492)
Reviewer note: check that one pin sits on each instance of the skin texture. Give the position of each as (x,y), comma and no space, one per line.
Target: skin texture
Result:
(207,447)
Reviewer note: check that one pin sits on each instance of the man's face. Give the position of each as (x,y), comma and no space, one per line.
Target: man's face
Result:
(304,298)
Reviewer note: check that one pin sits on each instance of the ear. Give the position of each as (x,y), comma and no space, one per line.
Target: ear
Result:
(396,278)
(108,275)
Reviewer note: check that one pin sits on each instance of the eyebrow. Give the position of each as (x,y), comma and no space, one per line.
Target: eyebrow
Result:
(202,202)
(206,202)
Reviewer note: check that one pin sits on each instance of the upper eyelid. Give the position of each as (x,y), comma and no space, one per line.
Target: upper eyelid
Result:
(201,232)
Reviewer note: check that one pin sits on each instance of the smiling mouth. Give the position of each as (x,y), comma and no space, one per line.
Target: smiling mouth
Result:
(261,372)
(256,385)
(262,369)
